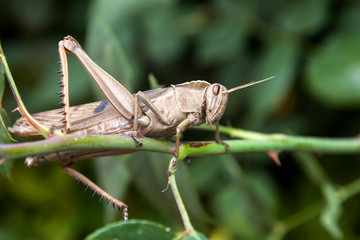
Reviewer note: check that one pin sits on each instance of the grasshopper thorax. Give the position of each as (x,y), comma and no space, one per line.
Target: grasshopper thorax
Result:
(216,98)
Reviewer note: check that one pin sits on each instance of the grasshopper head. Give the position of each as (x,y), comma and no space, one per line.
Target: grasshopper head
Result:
(216,99)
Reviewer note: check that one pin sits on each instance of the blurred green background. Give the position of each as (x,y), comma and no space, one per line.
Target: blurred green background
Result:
(313,48)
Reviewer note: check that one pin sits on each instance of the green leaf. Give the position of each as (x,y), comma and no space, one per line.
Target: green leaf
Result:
(332,211)
(195,236)
(5,168)
(333,72)
(153,179)
(224,38)
(2,82)
(5,137)
(190,196)
(115,12)
(161,20)
(132,230)
(238,211)
(298,16)
(153,82)
(312,168)
(113,170)
(107,50)
(279,60)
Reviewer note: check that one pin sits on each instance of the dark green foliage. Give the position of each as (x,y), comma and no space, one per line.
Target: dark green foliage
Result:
(132,230)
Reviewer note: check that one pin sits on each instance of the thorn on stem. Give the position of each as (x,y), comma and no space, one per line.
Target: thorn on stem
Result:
(275,157)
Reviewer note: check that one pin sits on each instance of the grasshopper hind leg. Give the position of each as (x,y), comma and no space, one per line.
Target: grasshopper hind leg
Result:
(96,189)
(64,84)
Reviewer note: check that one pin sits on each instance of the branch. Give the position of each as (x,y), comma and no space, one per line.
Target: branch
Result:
(255,142)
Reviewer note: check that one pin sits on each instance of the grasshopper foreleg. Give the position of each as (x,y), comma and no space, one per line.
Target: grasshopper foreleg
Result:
(217,137)
(179,129)
(98,190)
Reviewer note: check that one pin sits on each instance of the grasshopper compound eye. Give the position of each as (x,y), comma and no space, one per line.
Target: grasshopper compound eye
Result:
(216,89)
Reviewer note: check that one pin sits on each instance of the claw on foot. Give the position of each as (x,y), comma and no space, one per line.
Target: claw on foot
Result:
(171,171)
(225,144)
(135,137)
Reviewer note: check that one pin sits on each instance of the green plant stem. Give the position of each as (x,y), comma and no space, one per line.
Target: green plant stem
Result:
(72,143)
(21,106)
(308,213)
(286,143)
(179,202)
(187,149)
(349,190)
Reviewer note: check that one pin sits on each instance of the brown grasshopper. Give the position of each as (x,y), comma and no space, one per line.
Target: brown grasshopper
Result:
(154,113)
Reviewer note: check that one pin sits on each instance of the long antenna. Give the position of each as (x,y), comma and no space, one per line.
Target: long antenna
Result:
(248,85)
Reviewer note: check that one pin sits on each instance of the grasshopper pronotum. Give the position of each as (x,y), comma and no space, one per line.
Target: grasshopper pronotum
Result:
(154,113)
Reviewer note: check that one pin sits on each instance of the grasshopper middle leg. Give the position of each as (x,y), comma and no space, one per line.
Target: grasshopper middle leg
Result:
(141,97)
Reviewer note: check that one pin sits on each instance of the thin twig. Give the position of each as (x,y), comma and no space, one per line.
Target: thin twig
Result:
(289,223)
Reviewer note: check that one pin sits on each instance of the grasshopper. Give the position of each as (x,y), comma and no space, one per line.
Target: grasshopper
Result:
(154,113)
